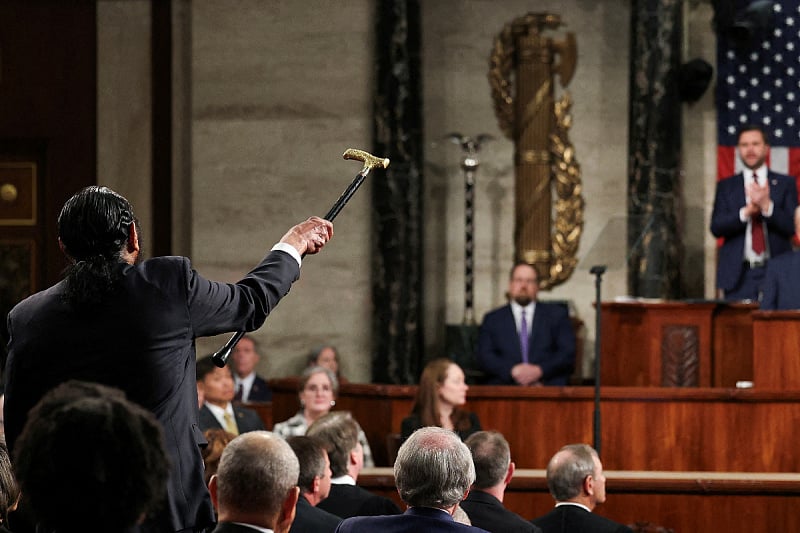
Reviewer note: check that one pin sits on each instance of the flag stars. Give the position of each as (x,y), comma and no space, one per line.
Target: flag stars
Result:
(742,68)
(731,130)
(754,106)
(778,108)
(731,104)
(731,80)
(778,58)
(790,122)
(730,54)
(778,82)
(754,82)
(789,21)
(766,95)
(742,93)
(766,70)
(778,133)
(743,118)
(790,97)
(790,45)
(766,45)
(777,32)
(754,56)
(767,121)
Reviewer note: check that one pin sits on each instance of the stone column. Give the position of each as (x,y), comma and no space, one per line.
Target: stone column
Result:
(654,150)
(397,195)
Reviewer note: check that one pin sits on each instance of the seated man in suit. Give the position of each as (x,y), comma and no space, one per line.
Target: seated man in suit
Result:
(493,472)
(338,432)
(216,386)
(249,386)
(255,487)
(315,485)
(576,481)
(526,342)
(433,473)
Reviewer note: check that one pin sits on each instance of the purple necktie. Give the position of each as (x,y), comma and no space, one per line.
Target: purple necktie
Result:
(523,337)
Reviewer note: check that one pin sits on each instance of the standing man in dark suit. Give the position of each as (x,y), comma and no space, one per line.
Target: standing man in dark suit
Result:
(132,324)
(526,342)
(218,410)
(315,486)
(754,214)
(255,487)
(250,387)
(433,473)
(493,472)
(782,285)
(338,432)
(576,481)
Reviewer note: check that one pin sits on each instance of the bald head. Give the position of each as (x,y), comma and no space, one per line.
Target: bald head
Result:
(575,474)
(257,472)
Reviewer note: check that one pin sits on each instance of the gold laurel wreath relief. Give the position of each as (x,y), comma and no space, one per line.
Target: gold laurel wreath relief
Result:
(566,172)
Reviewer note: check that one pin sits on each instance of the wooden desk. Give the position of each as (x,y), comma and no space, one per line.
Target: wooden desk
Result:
(682,501)
(643,428)
(776,351)
(676,344)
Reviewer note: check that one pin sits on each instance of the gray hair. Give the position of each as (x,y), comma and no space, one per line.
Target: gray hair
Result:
(256,472)
(310,371)
(433,469)
(338,432)
(491,455)
(568,469)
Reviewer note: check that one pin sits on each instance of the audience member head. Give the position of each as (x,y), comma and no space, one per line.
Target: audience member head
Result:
(317,390)
(256,482)
(245,356)
(523,283)
(213,383)
(492,458)
(326,356)
(96,230)
(315,467)
(217,439)
(338,432)
(433,469)
(89,456)
(575,474)
(9,490)
(441,391)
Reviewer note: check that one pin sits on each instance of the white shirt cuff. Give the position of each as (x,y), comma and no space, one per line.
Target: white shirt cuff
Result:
(289,249)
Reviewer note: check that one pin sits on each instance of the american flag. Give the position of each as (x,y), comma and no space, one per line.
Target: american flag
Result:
(761,85)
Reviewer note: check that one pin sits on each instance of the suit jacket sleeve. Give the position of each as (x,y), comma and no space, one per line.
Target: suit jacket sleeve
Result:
(497,354)
(769,299)
(559,359)
(784,201)
(728,200)
(242,306)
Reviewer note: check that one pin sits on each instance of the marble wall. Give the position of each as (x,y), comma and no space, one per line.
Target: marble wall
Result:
(270,93)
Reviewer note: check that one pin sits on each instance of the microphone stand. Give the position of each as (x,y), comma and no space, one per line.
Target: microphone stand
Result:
(598,271)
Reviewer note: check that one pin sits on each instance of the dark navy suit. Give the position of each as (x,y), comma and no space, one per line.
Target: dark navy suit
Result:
(487,512)
(141,340)
(414,520)
(574,519)
(246,419)
(551,344)
(782,285)
(725,222)
(260,391)
(310,519)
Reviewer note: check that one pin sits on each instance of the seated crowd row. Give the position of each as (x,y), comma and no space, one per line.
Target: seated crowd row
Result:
(86,443)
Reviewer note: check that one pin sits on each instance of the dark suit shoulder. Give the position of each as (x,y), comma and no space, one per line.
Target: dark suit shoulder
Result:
(577,520)
(487,512)
(310,519)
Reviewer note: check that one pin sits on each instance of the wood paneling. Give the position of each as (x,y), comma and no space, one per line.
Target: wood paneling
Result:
(776,352)
(643,428)
(638,347)
(684,501)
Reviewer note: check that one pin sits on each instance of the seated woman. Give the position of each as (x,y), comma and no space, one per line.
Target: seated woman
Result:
(326,356)
(441,392)
(317,389)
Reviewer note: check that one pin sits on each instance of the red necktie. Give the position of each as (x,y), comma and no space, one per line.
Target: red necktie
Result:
(758,234)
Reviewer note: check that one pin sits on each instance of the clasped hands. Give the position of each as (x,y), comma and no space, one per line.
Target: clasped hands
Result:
(526,374)
(758,199)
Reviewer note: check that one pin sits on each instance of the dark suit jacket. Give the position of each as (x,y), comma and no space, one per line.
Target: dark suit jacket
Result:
(351,500)
(782,283)
(414,520)
(729,199)
(551,344)
(229,527)
(573,519)
(310,519)
(246,419)
(487,512)
(412,423)
(142,341)
(260,391)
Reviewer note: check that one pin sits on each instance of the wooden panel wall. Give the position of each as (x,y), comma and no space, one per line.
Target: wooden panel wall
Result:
(685,502)
(643,428)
